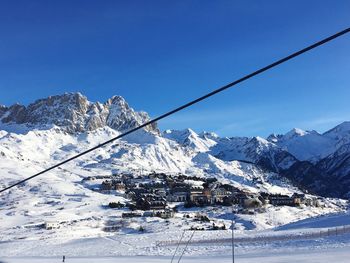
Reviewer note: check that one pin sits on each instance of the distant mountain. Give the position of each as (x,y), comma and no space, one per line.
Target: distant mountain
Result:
(74,113)
(324,165)
(313,161)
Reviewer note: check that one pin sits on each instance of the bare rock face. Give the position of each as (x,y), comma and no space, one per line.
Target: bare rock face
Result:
(74,113)
(3,109)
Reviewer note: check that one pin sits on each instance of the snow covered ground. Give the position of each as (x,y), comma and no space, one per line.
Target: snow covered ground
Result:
(339,255)
(136,247)
(61,196)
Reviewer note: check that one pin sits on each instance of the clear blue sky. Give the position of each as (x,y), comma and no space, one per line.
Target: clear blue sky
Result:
(160,54)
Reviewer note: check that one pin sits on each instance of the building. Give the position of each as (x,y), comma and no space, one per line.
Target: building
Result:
(131,214)
(165,214)
(150,202)
(109,185)
(312,202)
(157,204)
(178,194)
(219,194)
(177,197)
(279,200)
(51,225)
(199,196)
(298,198)
(136,193)
(240,198)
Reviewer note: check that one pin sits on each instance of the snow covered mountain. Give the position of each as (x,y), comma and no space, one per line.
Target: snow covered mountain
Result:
(323,165)
(310,159)
(313,161)
(74,113)
(50,130)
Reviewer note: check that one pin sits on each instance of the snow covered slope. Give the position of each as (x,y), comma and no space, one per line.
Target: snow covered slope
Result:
(305,145)
(61,195)
(50,130)
(317,162)
(310,145)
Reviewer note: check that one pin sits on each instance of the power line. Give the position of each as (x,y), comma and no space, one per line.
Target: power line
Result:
(246,77)
(188,242)
(177,247)
(233,239)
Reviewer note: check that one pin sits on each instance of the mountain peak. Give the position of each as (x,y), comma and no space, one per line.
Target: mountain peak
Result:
(295,132)
(274,137)
(342,128)
(259,140)
(210,135)
(74,113)
(117,100)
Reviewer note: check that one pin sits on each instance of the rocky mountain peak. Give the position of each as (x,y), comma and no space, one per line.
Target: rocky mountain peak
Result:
(75,113)
(274,137)
(117,100)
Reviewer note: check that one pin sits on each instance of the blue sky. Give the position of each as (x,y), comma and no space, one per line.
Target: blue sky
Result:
(160,54)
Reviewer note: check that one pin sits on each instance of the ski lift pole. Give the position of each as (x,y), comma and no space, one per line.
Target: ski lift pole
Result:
(233,237)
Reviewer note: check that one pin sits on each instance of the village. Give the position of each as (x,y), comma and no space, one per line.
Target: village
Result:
(160,194)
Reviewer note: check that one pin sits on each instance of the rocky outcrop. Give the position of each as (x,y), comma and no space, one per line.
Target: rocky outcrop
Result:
(74,113)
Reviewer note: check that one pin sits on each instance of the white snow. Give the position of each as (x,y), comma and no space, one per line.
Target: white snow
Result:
(61,197)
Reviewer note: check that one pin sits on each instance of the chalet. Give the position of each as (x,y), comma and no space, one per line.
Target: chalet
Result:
(150,202)
(109,185)
(165,214)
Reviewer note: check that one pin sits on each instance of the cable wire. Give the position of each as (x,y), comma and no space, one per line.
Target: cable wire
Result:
(177,247)
(188,242)
(210,94)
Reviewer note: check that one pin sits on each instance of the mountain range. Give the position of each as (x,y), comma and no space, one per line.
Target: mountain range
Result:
(74,113)
(318,163)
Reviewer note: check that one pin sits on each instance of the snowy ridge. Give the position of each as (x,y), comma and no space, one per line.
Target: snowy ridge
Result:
(308,158)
